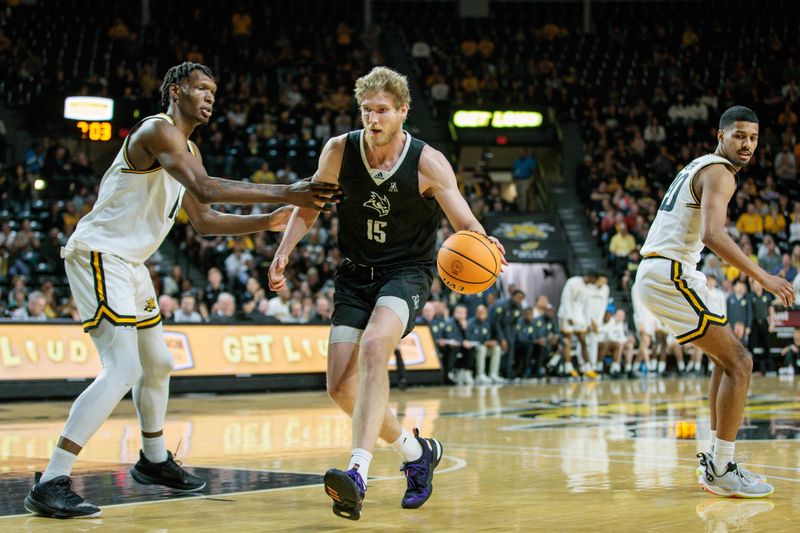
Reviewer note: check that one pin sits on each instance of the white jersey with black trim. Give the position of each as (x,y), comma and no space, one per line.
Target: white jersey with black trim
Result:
(675,233)
(135,209)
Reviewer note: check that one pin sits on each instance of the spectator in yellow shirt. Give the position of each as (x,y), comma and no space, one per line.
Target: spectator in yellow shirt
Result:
(774,221)
(621,245)
(264,174)
(750,222)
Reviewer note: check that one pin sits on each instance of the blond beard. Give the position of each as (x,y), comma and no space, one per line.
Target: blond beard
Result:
(383,139)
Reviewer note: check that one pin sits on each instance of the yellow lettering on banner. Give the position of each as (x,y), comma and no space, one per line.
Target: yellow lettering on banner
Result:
(231,349)
(55,351)
(305,344)
(78,353)
(322,347)
(266,347)
(291,355)
(30,351)
(9,359)
(249,349)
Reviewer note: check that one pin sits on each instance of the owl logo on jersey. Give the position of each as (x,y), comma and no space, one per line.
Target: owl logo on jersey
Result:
(379,203)
(150,305)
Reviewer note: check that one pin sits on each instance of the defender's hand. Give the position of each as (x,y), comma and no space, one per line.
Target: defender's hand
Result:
(315,195)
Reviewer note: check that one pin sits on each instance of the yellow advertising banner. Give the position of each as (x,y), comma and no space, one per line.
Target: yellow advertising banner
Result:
(64,351)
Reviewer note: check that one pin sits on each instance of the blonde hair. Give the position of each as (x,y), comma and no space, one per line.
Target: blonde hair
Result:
(383,79)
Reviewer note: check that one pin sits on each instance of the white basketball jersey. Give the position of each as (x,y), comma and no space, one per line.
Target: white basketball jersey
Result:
(675,233)
(596,303)
(135,209)
(573,298)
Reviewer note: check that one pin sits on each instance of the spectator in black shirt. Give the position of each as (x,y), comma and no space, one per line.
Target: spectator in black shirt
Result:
(759,330)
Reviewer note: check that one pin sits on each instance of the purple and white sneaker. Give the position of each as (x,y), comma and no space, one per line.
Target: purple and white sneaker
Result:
(347,490)
(419,473)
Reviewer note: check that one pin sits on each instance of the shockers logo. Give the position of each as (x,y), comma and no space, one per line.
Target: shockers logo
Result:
(415,299)
(150,304)
(393,187)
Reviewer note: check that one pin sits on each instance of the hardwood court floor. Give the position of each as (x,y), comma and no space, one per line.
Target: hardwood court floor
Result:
(606,456)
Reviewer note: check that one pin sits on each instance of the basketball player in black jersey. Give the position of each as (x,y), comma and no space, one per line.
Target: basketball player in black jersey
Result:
(395,188)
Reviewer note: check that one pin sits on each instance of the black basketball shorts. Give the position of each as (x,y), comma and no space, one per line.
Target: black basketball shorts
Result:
(359,288)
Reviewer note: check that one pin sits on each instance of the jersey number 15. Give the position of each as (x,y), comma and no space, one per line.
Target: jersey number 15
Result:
(375,230)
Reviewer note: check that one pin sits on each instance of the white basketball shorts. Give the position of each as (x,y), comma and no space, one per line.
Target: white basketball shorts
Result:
(573,324)
(677,296)
(107,287)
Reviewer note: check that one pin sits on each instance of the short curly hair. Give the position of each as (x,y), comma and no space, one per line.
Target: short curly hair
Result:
(384,79)
(177,74)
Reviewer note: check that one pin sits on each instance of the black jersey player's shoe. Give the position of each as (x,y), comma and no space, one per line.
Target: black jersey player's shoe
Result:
(347,490)
(169,473)
(56,499)
(419,473)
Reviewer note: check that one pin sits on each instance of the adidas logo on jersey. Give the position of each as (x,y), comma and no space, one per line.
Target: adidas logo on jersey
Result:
(393,187)
(378,176)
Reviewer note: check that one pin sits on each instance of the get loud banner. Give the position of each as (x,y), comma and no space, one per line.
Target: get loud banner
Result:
(64,351)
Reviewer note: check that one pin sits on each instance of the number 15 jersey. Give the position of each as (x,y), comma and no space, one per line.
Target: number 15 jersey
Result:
(383,219)
(675,233)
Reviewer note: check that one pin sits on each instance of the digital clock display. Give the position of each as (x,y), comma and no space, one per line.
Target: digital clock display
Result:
(95,131)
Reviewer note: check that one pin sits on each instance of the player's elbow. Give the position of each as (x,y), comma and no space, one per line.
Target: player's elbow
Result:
(202,188)
(710,237)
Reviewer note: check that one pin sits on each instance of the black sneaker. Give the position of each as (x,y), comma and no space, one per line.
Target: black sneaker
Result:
(55,499)
(169,473)
(347,490)
(419,473)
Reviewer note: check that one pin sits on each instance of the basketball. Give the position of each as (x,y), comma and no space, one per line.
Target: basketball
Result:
(468,262)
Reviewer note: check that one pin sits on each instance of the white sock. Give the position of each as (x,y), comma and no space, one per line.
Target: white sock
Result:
(614,368)
(407,446)
(723,454)
(568,367)
(713,437)
(681,366)
(60,464)
(362,458)
(628,367)
(155,449)
(662,365)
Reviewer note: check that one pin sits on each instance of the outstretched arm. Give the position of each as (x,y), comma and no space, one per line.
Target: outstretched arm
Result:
(303,219)
(168,145)
(437,175)
(208,221)
(717,186)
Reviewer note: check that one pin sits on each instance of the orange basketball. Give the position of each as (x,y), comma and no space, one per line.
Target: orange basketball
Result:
(468,262)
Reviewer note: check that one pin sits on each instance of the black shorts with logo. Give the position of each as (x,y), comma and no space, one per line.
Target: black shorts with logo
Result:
(359,287)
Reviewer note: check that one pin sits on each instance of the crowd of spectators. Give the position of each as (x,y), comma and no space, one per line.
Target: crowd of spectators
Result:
(281,98)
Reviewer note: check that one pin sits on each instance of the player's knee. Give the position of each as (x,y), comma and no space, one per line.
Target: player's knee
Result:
(742,365)
(373,354)
(128,374)
(160,365)
(339,390)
